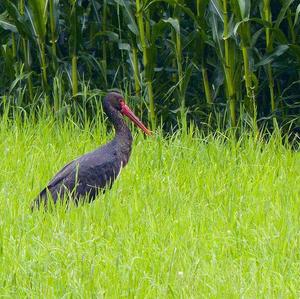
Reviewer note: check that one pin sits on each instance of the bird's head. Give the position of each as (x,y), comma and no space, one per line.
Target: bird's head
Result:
(117,102)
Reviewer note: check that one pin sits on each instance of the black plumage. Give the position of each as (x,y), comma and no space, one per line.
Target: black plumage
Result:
(86,176)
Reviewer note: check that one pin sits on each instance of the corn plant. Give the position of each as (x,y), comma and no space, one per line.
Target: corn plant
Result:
(144,32)
(38,16)
(223,63)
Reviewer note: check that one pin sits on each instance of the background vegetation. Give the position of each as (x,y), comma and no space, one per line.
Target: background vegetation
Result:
(221,63)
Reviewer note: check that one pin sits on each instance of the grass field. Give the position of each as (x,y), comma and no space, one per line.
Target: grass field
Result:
(189,217)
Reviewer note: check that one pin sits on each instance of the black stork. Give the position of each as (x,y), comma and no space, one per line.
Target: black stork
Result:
(86,176)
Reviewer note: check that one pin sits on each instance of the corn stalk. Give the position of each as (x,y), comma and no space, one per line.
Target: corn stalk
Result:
(38,18)
(178,58)
(104,43)
(142,33)
(74,35)
(267,16)
(52,12)
(201,8)
(228,69)
(135,64)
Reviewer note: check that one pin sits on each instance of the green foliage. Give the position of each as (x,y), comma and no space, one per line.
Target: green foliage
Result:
(187,216)
(206,60)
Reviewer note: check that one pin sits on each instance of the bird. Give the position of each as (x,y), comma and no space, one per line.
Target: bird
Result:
(83,178)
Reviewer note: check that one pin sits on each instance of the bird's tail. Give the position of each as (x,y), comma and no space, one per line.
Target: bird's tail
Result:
(40,201)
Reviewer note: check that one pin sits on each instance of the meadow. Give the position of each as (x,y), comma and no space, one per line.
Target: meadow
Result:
(190,216)
(220,62)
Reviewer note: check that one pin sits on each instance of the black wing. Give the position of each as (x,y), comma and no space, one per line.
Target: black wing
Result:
(83,177)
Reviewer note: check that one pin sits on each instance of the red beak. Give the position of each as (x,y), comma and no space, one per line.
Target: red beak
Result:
(126,111)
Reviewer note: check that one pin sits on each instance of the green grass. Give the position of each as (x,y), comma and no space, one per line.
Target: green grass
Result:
(188,217)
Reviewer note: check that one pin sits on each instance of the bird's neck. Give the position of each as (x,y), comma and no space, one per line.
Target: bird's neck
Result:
(123,134)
